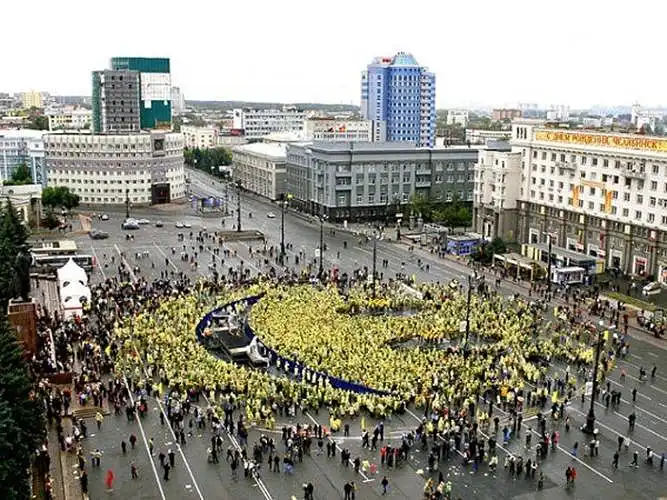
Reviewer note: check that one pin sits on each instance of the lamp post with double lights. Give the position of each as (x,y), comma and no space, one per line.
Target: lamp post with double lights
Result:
(284,200)
(600,341)
(322,218)
(377,234)
(238,206)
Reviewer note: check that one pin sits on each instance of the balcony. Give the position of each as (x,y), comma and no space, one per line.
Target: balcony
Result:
(634,173)
(423,183)
(566,165)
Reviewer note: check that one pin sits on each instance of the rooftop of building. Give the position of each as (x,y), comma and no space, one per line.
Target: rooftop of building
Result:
(268,150)
(22,133)
(399,59)
(362,146)
(285,137)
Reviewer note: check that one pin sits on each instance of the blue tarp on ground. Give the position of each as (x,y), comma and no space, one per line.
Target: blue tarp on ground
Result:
(298,369)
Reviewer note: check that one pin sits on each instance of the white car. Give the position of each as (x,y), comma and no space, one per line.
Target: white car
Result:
(653,288)
(187,225)
(104,217)
(144,221)
(271,215)
(180,225)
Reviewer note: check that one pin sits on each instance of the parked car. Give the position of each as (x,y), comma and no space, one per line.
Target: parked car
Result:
(187,225)
(96,234)
(271,215)
(130,224)
(653,288)
(143,221)
(104,217)
(180,225)
(159,223)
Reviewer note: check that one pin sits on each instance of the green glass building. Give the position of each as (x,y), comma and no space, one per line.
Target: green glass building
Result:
(153,78)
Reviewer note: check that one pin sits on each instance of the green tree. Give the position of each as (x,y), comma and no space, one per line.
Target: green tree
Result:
(21,418)
(59,196)
(38,122)
(484,253)
(20,176)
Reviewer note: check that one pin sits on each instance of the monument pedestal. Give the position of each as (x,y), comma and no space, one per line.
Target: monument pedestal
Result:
(22,315)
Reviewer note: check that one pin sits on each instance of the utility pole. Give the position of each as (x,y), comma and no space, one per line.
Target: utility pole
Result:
(465,342)
(283,205)
(227,197)
(238,206)
(589,428)
(321,271)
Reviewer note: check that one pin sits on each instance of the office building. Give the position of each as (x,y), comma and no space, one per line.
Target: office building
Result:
(69,118)
(457,117)
(199,137)
(177,101)
(502,114)
(398,96)
(26,200)
(116,108)
(365,181)
(257,123)
(496,192)
(147,167)
(479,136)
(32,99)
(333,130)
(595,194)
(261,168)
(22,146)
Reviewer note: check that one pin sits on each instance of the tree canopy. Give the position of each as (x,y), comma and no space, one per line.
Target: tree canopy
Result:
(20,176)
(59,196)
(455,213)
(21,415)
(484,253)
(207,160)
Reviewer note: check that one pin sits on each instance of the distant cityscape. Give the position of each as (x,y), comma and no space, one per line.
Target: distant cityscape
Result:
(592,182)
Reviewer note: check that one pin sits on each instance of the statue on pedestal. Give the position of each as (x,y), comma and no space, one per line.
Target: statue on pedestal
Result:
(21,279)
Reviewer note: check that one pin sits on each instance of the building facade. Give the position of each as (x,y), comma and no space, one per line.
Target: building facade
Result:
(398,96)
(478,136)
(261,168)
(147,167)
(22,146)
(26,200)
(69,118)
(601,194)
(155,89)
(366,181)
(257,123)
(116,108)
(501,114)
(32,99)
(333,130)
(177,100)
(496,193)
(458,117)
(199,137)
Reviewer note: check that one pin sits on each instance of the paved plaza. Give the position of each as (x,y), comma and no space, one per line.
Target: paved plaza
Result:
(194,477)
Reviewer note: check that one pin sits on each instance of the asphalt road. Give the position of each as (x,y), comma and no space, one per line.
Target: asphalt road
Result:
(194,477)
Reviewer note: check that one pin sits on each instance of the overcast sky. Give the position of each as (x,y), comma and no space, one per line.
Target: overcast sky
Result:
(484,52)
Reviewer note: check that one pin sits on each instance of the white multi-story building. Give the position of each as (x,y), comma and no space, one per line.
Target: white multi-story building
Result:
(260,122)
(69,118)
(32,99)
(457,116)
(479,136)
(22,146)
(261,168)
(332,130)
(177,100)
(496,192)
(199,137)
(105,169)
(595,195)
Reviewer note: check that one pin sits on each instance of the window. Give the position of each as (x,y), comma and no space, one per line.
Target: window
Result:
(651,217)
(626,212)
(656,169)
(595,162)
(651,201)
(638,214)
(605,163)
(591,190)
(591,205)
(640,199)
(654,185)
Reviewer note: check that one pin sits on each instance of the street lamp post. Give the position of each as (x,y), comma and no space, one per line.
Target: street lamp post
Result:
(127,203)
(589,428)
(238,206)
(376,236)
(549,266)
(465,342)
(321,270)
(283,206)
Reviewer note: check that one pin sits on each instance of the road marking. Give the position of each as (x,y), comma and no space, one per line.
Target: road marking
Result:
(260,484)
(165,256)
(143,436)
(100,266)
(124,261)
(171,429)
(652,354)
(660,436)
(621,385)
(638,367)
(635,356)
(361,473)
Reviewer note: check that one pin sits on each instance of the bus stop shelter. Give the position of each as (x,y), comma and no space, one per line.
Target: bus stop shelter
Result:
(516,263)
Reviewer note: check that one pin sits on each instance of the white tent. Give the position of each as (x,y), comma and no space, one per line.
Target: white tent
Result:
(71,272)
(74,290)
(72,307)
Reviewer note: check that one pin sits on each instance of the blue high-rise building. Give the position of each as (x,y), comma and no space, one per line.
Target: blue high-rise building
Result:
(398,95)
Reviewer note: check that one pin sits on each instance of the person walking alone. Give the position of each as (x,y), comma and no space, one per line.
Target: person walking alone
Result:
(385,485)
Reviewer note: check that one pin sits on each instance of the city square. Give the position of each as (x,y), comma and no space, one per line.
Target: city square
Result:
(194,476)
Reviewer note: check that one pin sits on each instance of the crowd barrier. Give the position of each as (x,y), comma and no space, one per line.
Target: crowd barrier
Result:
(291,366)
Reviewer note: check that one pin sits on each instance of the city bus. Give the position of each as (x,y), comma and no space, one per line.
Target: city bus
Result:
(51,263)
(58,247)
